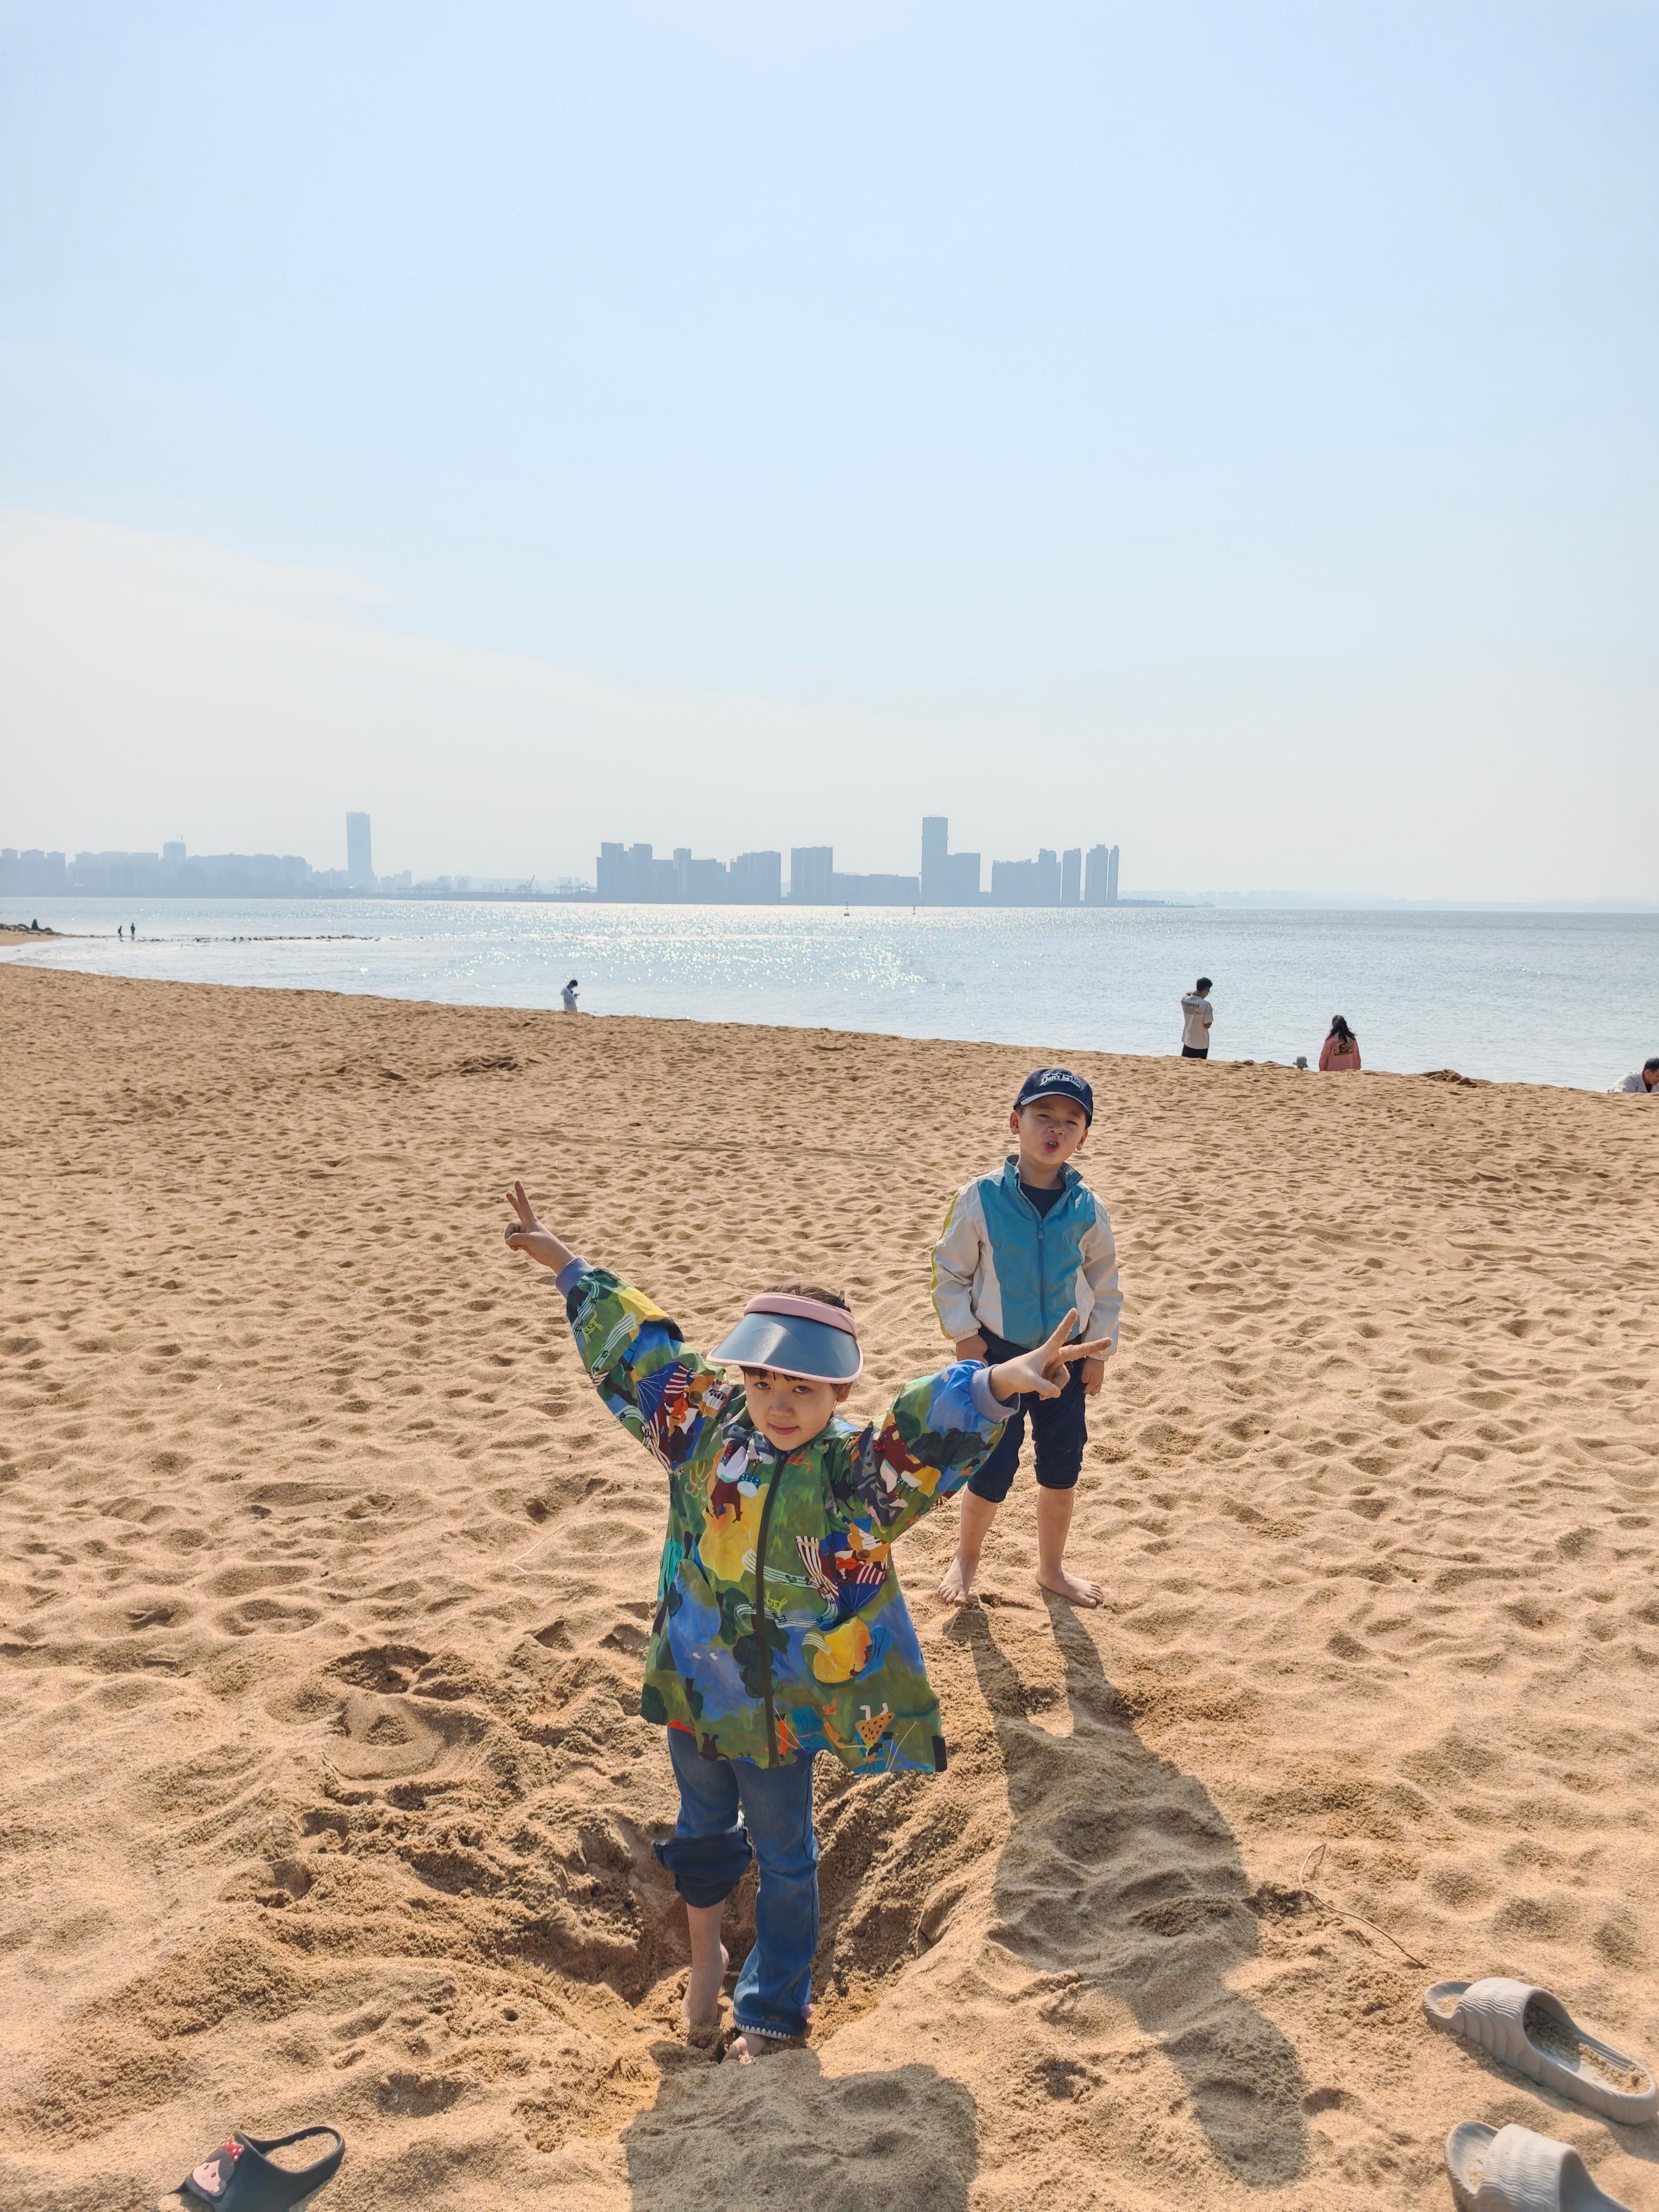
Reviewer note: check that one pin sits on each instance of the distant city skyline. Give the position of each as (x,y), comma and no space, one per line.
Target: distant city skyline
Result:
(626,873)
(636,873)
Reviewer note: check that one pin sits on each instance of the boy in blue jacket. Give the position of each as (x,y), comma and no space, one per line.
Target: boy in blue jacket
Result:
(1019,1249)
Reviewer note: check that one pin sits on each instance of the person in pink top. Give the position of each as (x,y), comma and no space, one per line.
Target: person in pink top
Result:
(1340,1051)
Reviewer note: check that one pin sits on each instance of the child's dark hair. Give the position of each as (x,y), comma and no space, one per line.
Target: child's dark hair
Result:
(806,1291)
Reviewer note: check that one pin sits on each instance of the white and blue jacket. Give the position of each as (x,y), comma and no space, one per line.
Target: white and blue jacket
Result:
(1000,1265)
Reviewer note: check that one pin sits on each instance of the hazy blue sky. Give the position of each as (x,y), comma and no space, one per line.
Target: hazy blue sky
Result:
(1222,426)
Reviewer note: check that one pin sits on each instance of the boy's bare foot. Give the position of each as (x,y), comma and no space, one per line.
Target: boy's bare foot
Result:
(958,1583)
(1072,1588)
(700,2011)
(746,2050)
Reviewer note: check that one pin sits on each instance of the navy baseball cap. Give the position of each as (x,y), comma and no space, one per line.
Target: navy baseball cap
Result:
(1056,1083)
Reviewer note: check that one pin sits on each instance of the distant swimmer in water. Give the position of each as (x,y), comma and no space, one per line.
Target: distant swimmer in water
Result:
(568,995)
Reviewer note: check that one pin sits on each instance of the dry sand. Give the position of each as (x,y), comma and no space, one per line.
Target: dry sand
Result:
(318,1807)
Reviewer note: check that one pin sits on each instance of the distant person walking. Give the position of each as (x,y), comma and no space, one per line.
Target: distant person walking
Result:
(1340,1053)
(568,996)
(1645,1082)
(1196,1015)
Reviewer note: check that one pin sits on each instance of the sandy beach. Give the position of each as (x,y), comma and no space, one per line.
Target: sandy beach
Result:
(324,1574)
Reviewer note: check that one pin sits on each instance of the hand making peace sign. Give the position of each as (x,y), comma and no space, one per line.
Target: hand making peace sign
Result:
(1043,1371)
(527,1236)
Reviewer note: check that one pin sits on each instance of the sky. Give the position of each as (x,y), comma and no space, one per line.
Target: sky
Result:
(1225,429)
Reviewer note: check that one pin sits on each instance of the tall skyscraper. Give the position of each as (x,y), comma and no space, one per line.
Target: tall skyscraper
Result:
(1097,876)
(1111,878)
(359,865)
(935,858)
(1071,876)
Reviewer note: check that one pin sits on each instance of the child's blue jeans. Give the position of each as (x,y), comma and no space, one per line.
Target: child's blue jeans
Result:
(725,1806)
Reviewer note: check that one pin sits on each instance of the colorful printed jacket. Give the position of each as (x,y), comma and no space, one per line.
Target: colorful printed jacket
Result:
(1002,1265)
(780,1625)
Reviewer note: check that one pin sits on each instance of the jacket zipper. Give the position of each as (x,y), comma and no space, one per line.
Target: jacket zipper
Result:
(761,1628)
(1042,1220)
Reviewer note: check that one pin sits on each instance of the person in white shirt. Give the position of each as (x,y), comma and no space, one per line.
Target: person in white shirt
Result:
(568,995)
(1196,1015)
(1646,1084)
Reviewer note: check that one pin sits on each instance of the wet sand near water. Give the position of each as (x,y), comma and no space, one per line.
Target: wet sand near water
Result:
(324,1580)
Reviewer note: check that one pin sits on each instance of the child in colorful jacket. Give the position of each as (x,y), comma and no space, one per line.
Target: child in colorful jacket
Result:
(779,1629)
(1019,1247)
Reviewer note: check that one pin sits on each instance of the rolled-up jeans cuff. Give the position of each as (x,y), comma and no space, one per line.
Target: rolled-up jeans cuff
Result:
(772,2029)
(706,1869)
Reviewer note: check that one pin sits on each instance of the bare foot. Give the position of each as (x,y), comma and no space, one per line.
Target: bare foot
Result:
(746,2051)
(700,2011)
(958,1583)
(1072,1588)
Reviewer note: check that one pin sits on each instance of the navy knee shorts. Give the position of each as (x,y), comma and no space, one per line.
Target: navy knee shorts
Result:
(1060,1429)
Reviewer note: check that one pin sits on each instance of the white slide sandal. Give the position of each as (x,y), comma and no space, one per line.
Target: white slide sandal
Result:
(1533,2032)
(1513,2170)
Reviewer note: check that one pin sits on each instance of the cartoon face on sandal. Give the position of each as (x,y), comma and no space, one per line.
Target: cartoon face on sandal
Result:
(212,2176)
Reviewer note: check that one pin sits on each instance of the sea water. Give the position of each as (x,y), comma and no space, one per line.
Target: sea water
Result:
(1537,998)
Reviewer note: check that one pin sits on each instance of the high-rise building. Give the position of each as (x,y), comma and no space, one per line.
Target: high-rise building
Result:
(612,879)
(757,879)
(947,878)
(173,853)
(1026,882)
(1071,876)
(935,858)
(1097,876)
(962,879)
(360,866)
(1111,878)
(811,873)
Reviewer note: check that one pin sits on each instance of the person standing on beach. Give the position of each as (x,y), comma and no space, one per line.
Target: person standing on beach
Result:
(1645,1081)
(1019,1247)
(1340,1053)
(779,1630)
(1196,1015)
(568,996)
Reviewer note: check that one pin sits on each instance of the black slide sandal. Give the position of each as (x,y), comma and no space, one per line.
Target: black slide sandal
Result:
(238,2177)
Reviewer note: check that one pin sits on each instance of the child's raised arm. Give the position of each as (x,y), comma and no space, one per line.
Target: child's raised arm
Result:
(662,1392)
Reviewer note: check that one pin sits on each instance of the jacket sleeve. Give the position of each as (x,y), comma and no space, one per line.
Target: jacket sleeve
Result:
(1097,1257)
(664,1393)
(955,1264)
(1325,1056)
(937,1430)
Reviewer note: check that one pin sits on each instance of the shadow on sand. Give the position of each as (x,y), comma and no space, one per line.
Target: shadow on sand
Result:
(1119,1868)
(778,2136)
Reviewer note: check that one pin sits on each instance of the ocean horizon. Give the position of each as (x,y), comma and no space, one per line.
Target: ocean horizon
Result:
(1531,995)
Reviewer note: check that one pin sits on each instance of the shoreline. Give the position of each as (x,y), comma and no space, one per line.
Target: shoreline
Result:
(1037,1050)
